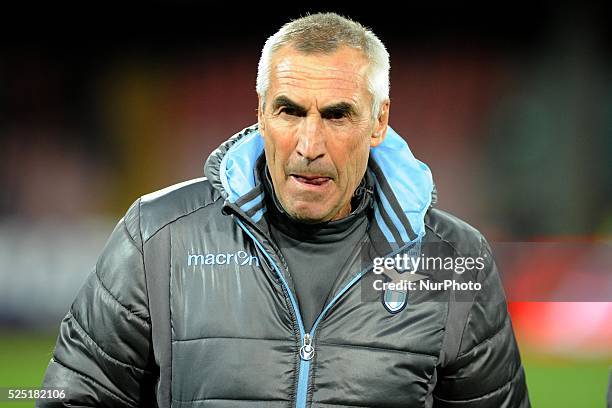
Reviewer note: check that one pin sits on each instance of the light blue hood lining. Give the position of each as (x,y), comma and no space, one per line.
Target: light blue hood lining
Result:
(237,171)
(409,180)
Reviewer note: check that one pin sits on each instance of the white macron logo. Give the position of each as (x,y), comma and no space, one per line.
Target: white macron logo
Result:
(241,258)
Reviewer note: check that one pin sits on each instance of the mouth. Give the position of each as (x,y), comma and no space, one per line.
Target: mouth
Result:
(310,179)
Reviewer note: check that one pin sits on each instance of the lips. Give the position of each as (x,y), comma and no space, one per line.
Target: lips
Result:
(314,180)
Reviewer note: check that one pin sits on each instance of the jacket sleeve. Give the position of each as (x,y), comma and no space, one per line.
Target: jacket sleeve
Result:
(103,355)
(486,370)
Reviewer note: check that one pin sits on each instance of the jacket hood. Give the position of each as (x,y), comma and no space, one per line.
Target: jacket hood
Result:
(404,185)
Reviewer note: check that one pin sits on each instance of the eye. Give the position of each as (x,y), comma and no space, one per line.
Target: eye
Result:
(289,111)
(335,115)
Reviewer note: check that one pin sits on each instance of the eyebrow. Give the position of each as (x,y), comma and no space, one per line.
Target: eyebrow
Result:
(283,101)
(343,108)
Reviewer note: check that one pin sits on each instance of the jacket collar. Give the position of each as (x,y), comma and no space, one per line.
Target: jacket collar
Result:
(403,185)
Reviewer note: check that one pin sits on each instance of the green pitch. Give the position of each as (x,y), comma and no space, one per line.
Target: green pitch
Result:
(23,359)
(552,383)
(566,382)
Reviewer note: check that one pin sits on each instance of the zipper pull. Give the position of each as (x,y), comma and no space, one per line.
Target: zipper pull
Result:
(307,350)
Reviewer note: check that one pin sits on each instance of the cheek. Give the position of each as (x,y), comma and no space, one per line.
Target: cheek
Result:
(278,146)
(351,158)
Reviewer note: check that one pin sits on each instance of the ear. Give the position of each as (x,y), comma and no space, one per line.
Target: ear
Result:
(380,125)
(260,114)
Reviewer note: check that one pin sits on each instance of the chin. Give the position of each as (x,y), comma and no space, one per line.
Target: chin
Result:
(308,216)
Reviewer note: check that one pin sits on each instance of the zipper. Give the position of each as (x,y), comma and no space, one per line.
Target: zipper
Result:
(307,348)
(305,338)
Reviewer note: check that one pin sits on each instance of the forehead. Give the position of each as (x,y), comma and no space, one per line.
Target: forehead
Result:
(341,74)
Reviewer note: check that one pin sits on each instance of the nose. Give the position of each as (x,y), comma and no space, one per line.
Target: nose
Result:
(311,140)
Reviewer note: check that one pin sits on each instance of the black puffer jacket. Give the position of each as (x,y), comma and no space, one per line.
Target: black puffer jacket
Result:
(191,305)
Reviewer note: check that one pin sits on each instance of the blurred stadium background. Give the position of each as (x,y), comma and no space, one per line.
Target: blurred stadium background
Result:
(511,107)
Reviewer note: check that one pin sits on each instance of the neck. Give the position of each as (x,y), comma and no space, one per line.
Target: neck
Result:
(344,211)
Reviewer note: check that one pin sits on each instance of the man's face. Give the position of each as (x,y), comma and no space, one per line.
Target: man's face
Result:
(318,130)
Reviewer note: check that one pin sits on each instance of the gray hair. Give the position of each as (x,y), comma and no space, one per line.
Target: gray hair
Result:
(325,33)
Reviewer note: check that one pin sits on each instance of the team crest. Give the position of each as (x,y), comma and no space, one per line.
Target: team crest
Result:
(395,300)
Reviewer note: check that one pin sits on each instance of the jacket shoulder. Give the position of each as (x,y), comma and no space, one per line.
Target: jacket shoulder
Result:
(463,237)
(153,211)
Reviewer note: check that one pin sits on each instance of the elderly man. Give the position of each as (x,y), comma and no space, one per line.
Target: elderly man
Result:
(276,280)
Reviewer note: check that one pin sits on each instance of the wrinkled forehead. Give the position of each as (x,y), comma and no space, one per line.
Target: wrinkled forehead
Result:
(343,71)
